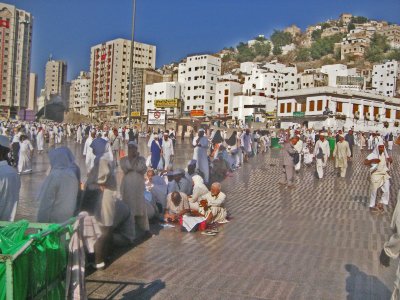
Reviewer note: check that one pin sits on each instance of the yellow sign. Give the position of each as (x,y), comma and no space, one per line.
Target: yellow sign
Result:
(135,114)
(166,103)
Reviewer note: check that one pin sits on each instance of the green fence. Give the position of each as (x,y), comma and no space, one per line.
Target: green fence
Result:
(33,260)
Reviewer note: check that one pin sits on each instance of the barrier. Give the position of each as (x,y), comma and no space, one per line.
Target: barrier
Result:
(33,259)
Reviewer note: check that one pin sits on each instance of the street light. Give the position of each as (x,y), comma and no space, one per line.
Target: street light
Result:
(131,62)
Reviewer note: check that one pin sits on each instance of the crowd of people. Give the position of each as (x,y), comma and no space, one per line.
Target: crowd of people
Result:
(152,189)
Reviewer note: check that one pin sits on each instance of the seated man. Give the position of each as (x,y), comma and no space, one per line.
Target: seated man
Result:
(177,205)
(182,183)
(212,205)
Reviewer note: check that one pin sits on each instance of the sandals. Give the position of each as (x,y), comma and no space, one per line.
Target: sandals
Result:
(209,232)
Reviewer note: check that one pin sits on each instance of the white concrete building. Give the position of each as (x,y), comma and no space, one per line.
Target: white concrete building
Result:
(15,51)
(80,94)
(270,78)
(55,78)
(340,76)
(32,91)
(199,75)
(358,109)
(41,100)
(253,106)
(109,71)
(225,93)
(163,95)
(384,78)
(247,67)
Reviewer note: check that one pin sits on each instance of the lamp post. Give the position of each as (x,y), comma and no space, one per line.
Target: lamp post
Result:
(131,62)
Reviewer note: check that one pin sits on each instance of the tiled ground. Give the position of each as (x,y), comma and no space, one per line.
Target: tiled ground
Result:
(315,241)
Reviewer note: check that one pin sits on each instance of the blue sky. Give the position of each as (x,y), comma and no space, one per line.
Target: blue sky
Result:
(68,28)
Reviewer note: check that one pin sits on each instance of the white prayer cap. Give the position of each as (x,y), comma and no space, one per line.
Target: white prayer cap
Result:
(4,141)
(322,133)
(201,129)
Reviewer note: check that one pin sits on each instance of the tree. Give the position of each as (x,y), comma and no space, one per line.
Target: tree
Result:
(277,50)
(359,20)
(394,54)
(316,34)
(325,25)
(260,39)
(377,48)
(351,26)
(281,38)
(303,54)
(261,49)
(324,46)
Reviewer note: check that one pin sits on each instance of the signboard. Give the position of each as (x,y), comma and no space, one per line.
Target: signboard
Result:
(135,114)
(156,117)
(298,114)
(197,113)
(166,103)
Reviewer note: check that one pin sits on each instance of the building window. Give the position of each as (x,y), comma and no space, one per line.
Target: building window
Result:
(289,107)
(282,108)
(397,114)
(355,108)
(339,107)
(303,107)
(376,111)
(366,109)
(226,92)
(312,105)
(388,113)
(319,105)
(226,100)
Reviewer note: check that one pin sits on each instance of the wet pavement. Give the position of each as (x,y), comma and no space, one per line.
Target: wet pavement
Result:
(315,241)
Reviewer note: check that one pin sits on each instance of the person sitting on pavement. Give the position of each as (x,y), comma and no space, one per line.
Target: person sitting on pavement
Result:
(177,206)
(199,189)
(212,205)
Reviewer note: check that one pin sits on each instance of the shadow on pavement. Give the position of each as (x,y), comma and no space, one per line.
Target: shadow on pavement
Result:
(125,289)
(360,285)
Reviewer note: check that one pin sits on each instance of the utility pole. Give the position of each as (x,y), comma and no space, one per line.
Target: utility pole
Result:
(131,62)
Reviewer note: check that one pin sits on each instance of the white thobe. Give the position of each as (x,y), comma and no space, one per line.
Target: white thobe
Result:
(24,161)
(88,152)
(321,163)
(200,154)
(168,150)
(40,140)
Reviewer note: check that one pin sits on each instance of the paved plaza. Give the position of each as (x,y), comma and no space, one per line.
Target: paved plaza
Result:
(315,241)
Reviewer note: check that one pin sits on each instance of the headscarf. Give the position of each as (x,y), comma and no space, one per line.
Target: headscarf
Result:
(101,149)
(232,139)
(62,159)
(199,188)
(217,137)
(375,152)
(197,180)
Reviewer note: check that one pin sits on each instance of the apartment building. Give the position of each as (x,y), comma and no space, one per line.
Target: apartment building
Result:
(199,75)
(109,71)
(270,78)
(80,94)
(163,95)
(55,79)
(392,32)
(15,53)
(225,93)
(384,78)
(33,82)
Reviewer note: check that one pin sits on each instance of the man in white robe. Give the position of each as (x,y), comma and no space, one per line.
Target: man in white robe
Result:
(379,161)
(342,153)
(200,145)
(167,149)
(88,152)
(10,183)
(321,153)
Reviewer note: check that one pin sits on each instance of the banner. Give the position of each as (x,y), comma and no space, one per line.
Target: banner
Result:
(166,103)
(135,114)
(156,117)
(197,113)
